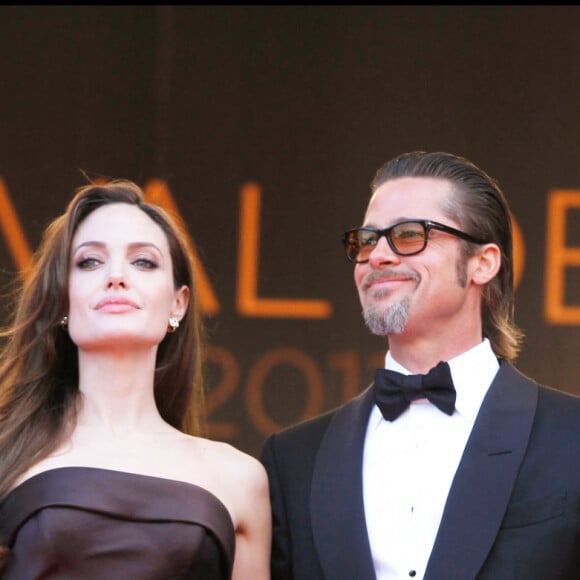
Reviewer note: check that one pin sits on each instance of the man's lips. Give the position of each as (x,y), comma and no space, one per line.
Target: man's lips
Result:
(378,281)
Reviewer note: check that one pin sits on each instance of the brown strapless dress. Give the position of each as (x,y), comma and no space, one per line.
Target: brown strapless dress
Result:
(85,523)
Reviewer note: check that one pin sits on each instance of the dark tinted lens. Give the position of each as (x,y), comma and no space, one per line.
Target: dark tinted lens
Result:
(408,238)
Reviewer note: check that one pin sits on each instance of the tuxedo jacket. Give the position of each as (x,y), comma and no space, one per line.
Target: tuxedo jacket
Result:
(513,509)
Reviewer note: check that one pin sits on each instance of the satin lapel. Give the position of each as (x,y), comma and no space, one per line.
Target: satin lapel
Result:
(337,509)
(484,480)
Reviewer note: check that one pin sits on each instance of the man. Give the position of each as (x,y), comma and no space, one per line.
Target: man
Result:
(475,479)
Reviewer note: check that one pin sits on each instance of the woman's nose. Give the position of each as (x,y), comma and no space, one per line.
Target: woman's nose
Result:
(116,282)
(116,277)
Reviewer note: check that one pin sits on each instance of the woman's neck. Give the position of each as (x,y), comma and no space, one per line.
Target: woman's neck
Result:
(116,390)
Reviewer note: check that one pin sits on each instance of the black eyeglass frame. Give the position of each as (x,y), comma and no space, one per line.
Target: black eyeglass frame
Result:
(427,225)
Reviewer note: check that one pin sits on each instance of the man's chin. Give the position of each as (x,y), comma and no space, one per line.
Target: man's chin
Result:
(387,320)
(383,331)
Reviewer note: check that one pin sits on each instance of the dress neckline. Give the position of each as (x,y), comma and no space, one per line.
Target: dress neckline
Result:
(105,491)
(118,495)
(89,468)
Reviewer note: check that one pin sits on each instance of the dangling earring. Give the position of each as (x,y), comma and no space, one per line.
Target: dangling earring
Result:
(173,324)
(64,322)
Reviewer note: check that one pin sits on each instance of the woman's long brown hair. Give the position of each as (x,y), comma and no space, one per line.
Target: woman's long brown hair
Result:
(39,362)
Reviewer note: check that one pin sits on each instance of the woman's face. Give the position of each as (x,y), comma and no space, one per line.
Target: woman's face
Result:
(121,288)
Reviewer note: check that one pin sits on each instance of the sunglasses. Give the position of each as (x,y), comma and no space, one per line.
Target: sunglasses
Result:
(405,238)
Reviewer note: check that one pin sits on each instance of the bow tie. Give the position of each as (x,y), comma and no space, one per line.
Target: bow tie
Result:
(395,391)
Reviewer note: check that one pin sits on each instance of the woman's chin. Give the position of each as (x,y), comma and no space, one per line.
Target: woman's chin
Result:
(116,339)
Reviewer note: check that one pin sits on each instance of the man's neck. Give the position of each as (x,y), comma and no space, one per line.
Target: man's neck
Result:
(420,356)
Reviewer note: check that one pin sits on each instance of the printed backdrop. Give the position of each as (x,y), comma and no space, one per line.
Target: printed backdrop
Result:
(263,127)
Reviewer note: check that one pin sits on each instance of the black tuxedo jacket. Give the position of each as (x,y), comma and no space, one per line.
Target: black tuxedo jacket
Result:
(513,510)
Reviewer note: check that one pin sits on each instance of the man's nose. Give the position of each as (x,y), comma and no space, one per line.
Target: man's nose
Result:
(382,254)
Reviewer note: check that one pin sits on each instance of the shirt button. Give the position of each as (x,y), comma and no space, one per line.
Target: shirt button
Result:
(412,573)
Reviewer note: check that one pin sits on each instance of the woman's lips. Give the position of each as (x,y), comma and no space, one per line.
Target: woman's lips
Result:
(115,305)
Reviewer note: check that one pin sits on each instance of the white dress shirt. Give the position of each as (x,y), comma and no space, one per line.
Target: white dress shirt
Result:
(409,464)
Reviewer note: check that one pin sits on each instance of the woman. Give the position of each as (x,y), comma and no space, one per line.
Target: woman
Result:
(103,473)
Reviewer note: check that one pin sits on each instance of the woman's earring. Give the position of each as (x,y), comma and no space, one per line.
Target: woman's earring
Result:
(64,322)
(173,324)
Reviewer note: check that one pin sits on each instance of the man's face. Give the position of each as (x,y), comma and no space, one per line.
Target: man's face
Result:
(423,293)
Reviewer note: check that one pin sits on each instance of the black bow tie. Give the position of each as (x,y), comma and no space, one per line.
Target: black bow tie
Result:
(395,391)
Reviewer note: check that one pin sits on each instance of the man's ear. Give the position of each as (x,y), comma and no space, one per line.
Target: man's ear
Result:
(486,263)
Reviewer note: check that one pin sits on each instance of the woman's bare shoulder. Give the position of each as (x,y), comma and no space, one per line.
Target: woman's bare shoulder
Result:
(222,455)
(237,466)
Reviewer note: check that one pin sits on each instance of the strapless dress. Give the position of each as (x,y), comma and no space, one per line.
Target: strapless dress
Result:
(86,523)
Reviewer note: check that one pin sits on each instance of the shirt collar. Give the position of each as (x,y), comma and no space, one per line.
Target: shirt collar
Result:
(472,371)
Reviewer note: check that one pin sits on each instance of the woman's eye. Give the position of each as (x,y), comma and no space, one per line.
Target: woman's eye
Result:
(87,263)
(145,263)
